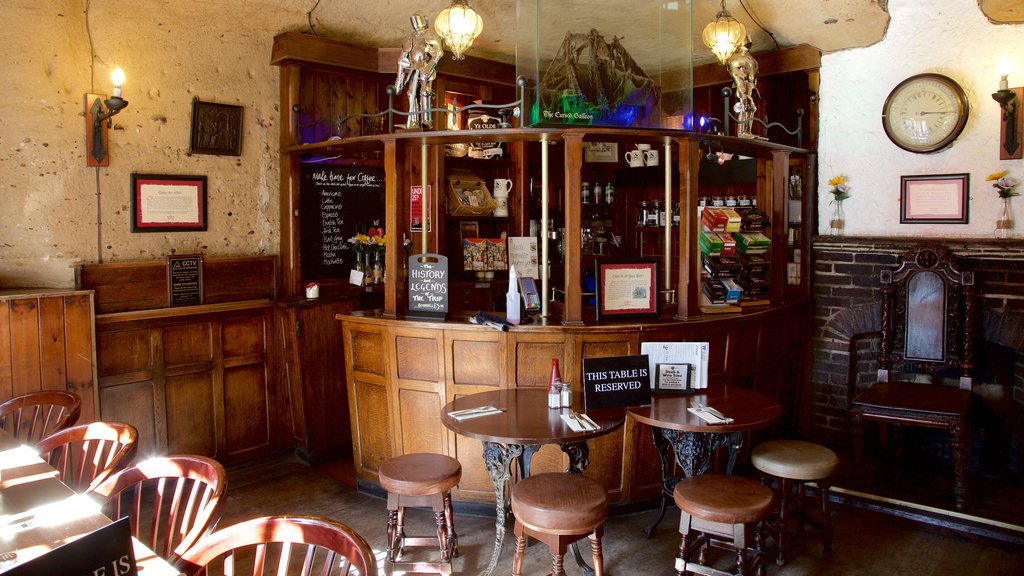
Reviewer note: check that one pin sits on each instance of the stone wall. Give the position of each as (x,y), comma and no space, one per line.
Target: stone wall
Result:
(846,315)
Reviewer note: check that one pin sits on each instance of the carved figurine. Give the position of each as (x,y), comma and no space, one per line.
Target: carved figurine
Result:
(743,69)
(417,69)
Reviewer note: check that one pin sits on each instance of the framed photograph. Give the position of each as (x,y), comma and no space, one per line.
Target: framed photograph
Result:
(216,129)
(626,288)
(600,152)
(675,378)
(168,203)
(934,199)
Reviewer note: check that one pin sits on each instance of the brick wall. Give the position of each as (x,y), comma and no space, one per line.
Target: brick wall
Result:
(846,315)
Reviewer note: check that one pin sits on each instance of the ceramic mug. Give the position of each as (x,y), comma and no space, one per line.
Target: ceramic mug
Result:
(651,157)
(635,158)
(502,186)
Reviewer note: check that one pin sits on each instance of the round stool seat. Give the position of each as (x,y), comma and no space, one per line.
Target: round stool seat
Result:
(560,503)
(795,459)
(419,474)
(724,498)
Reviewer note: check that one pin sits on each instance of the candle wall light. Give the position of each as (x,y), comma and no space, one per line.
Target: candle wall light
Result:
(1011,122)
(98,111)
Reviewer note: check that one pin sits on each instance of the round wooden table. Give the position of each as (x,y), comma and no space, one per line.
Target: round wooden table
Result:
(694,440)
(524,424)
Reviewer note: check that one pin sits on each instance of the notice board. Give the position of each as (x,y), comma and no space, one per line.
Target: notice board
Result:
(335,203)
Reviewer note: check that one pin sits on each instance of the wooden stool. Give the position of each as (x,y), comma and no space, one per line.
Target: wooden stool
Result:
(721,510)
(794,463)
(558,509)
(420,480)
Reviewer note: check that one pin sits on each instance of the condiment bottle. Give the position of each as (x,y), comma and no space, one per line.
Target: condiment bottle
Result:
(598,193)
(512,297)
(554,386)
(585,193)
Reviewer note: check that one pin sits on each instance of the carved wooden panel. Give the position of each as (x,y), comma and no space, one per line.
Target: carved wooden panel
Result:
(475,483)
(420,411)
(367,351)
(417,358)
(132,402)
(606,462)
(476,363)
(190,416)
(371,434)
(247,410)
(531,357)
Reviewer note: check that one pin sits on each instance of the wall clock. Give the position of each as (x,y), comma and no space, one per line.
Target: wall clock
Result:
(925,113)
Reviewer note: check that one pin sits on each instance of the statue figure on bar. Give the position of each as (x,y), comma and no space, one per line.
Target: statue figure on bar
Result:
(417,69)
(743,69)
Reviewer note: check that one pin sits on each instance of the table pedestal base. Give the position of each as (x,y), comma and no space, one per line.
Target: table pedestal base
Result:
(693,452)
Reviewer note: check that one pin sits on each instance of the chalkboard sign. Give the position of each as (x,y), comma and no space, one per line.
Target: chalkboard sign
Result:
(428,286)
(616,382)
(335,203)
(185,280)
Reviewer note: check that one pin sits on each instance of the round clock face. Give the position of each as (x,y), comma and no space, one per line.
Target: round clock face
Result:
(925,113)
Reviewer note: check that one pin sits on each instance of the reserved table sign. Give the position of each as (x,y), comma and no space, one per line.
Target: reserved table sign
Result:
(107,551)
(616,382)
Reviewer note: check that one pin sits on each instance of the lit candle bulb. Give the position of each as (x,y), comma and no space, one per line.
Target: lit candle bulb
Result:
(1004,74)
(1003,83)
(117,76)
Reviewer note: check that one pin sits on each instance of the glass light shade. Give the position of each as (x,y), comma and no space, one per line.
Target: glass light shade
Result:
(724,35)
(459,25)
(117,77)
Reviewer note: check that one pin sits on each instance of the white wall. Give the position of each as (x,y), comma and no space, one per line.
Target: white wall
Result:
(950,37)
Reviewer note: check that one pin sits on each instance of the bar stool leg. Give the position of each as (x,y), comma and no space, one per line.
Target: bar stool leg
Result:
(450,520)
(520,549)
(739,540)
(826,515)
(596,552)
(392,532)
(442,534)
(556,565)
(785,487)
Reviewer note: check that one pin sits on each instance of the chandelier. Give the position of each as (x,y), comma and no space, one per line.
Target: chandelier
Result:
(459,25)
(724,35)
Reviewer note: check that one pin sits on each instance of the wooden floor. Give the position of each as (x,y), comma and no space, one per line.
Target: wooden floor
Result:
(867,543)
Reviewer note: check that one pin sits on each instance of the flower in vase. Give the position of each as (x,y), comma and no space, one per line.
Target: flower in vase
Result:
(1004,186)
(360,243)
(840,189)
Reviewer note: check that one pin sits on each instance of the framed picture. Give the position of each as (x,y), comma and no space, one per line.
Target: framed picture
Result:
(600,152)
(934,199)
(676,378)
(168,203)
(627,288)
(216,129)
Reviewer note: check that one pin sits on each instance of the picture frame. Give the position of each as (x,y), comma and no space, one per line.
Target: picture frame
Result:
(168,203)
(626,288)
(216,129)
(674,378)
(600,152)
(934,199)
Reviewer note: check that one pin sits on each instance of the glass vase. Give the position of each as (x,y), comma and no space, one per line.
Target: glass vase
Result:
(1004,224)
(837,221)
(361,265)
(378,268)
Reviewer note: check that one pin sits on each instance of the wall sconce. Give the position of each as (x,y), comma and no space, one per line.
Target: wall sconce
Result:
(724,35)
(98,111)
(459,25)
(1011,123)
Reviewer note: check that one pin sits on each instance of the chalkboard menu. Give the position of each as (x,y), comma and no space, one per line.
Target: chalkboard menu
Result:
(335,203)
(185,280)
(428,286)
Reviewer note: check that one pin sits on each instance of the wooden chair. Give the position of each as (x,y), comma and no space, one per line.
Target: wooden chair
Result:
(296,545)
(87,455)
(722,511)
(35,415)
(172,501)
(928,322)
(420,479)
(559,508)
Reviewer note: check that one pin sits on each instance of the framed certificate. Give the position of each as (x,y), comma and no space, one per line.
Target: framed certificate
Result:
(166,203)
(937,199)
(627,288)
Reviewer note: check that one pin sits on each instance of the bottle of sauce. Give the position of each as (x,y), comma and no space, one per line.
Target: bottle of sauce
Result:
(555,386)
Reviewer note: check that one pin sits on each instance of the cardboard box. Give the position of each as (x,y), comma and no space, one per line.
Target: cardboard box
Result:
(732,220)
(751,242)
(710,243)
(468,195)
(714,219)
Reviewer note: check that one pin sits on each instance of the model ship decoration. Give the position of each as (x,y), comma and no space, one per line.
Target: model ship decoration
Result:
(591,81)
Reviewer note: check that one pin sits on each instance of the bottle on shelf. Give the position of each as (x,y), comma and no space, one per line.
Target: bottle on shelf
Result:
(512,298)
(598,193)
(609,193)
(641,214)
(585,193)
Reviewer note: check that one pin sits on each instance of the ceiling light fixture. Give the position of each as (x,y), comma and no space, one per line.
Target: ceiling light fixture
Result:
(724,35)
(459,25)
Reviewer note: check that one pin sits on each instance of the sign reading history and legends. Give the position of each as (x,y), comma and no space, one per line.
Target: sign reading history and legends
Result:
(185,280)
(616,382)
(428,286)
(336,202)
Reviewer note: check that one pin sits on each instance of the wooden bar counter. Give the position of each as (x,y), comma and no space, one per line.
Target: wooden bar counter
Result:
(400,373)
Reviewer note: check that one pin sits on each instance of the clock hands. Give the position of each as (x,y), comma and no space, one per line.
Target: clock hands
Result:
(925,113)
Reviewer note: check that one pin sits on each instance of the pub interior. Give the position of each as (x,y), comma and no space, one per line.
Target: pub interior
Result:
(322,245)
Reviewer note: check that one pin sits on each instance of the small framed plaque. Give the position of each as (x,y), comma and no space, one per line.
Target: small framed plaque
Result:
(673,378)
(934,199)
(627,288)
(185,280)
(216,129)
(168,203)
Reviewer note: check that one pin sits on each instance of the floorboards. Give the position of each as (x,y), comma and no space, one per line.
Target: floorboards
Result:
(866,543)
